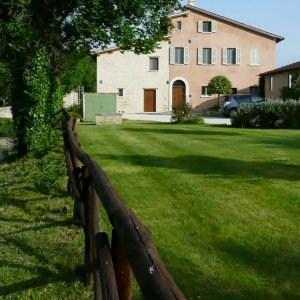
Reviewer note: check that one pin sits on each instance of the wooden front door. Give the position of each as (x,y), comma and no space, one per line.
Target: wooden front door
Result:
(149,100)
(178,96)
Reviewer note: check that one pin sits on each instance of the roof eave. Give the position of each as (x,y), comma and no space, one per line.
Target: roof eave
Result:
(277,38)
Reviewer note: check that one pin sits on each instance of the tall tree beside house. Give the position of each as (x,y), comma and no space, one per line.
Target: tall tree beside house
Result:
(220,85)
(43,41)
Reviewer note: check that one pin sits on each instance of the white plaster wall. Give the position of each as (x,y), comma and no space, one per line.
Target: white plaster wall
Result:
(130,71)
(5,112)
(71,99)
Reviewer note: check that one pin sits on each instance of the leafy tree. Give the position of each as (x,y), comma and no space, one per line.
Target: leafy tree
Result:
(5,82)
(220,85)
(44,41)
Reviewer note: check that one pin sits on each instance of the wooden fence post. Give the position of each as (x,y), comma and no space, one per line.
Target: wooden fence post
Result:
(122,268)
(95,231)
(105,267)
(88,226)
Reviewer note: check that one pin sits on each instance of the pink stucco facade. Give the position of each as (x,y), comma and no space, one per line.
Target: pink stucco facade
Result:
(244,75)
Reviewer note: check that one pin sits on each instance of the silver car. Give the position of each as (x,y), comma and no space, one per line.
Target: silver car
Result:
(229,105)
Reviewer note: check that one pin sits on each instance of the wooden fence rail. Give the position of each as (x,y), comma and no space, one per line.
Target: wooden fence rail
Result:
(109,267)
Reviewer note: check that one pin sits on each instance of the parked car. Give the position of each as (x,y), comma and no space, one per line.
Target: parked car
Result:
(229,105)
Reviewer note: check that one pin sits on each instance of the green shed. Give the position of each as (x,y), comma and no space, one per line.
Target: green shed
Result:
(98,103)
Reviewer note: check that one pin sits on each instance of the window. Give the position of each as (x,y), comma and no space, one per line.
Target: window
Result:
(204,91)
(254,57)
(179,56)
(290,82)
(153,63)
(120,92)
(254,90)
(207,26)
(271,83)
(231,56)
(179,25)
(207,56)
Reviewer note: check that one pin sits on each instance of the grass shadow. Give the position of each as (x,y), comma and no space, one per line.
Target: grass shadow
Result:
(215,166)
(177,131)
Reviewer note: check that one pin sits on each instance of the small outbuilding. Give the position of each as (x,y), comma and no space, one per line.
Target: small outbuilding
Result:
(279,78)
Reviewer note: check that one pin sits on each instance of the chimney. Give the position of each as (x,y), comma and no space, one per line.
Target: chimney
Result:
(192,2)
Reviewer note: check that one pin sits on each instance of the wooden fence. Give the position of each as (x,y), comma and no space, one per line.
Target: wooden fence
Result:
(109,266)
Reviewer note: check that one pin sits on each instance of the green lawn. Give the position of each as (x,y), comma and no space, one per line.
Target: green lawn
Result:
(39,244)
(223,204)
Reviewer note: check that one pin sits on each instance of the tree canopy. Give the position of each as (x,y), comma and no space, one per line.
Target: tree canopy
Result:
(220,85)
(42,42)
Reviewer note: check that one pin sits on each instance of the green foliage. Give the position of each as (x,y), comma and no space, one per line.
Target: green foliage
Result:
(220,85)
(6,128)
(269,114)
(292,92)
(81,73)
(75,111)
(44,95)
(5,83)
(40,246)
(182,113)
(289,93)
(47,43)
(261,86)
(50,168)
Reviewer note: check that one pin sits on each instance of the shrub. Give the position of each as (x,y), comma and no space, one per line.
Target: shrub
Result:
(289,93)
(75,111)
(6,127)
(49,170)
(244,118)
(182,113)
(269,114)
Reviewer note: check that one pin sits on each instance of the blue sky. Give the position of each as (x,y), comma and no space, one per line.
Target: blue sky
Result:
(279,17)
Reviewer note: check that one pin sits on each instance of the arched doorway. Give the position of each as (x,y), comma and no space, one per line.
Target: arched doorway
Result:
(178,92)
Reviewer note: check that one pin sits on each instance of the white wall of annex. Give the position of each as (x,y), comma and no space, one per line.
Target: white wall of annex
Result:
(129,71)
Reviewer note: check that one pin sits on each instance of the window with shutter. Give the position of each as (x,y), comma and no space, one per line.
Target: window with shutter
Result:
(200,56)
(224,56)
(200,26)
(172,56)
(207,56)
(186,56)
(179,56)
(207,26)
(214,26)
(214,56)
(231,56)
(254,56)
(237,56)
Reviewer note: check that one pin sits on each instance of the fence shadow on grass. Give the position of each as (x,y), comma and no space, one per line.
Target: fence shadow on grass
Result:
(171,129)
(208,165)
(281,264)
(42,275)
